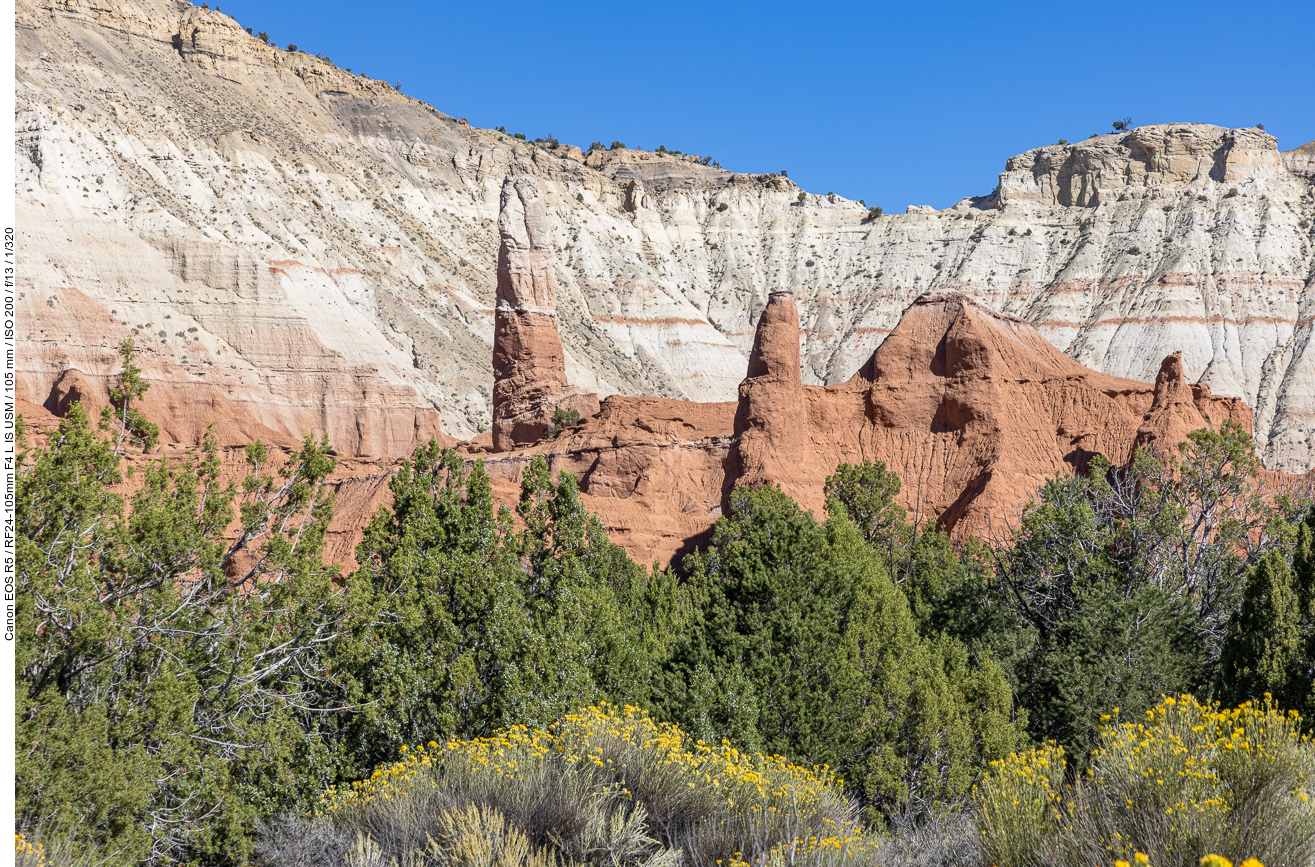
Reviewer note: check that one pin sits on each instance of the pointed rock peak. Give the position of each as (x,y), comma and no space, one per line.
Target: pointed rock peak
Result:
(951,335)
(1173,413)
(1170,383)
(776,340)
(526,282)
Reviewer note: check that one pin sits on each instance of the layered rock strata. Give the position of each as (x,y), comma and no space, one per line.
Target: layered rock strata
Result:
(332,241)
(529,367)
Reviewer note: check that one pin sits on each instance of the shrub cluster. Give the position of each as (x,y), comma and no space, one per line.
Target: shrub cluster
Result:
(602,786)
(1187,781)
(190,669)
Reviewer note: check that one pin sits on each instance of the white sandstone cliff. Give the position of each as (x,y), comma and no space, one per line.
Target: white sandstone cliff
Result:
(321,250)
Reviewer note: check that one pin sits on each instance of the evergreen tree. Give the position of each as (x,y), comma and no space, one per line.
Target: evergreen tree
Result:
(867,492)
(951,588)
(1130,578)
(1270,646)
(1112,650)
(466,625)
(439,617)
(167,678)
(802,645)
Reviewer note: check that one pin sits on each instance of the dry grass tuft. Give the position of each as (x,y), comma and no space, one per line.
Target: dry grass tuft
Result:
(603,787)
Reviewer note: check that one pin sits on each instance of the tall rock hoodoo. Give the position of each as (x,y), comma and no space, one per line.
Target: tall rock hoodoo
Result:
(772,439)
(1180,407)
(529,366)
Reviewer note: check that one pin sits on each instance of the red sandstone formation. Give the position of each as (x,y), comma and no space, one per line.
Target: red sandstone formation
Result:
(1179,408)
(70,353)
(973,409)
(772,437)
(529,366)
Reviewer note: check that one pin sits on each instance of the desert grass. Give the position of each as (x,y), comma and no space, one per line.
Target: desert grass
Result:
(35,850)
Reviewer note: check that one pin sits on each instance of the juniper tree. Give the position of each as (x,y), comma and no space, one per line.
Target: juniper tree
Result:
(802,645)
(168,689)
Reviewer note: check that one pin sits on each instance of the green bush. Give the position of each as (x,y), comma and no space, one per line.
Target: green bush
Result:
(561,418)
(801,645)
(1126,581)
(465,624)
(168,678)
(1190,780)
(1270,648)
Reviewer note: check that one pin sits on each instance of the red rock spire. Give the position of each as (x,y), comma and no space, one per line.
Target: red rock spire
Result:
(529,366)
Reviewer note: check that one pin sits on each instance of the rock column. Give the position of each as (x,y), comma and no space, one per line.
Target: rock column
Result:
(529,366)
(773,443)
(1177,409)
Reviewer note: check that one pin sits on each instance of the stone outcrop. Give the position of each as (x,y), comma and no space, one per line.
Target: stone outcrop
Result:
(973,409)
(1179,407)
(529,367)
(336,239)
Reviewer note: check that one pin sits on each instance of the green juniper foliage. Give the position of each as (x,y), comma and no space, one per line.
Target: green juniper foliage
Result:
(1270,646)
(167,679)
(133,428)
(802,645)
(1128,580)
(464,625)
(189,667)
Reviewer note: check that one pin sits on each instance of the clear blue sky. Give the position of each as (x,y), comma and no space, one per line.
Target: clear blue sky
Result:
(901,103)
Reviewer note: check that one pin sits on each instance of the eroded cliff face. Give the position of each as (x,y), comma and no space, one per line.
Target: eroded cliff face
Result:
(333,244)
(972,409)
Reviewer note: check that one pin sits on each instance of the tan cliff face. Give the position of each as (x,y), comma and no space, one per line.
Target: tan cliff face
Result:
(333,244)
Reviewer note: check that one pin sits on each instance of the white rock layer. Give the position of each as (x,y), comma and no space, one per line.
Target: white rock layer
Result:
(333,243)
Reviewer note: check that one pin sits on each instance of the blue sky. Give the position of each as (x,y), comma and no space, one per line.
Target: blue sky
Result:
(897,103)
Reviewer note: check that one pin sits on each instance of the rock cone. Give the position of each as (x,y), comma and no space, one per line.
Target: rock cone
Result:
(529,366)
(1179,408)
(772,440)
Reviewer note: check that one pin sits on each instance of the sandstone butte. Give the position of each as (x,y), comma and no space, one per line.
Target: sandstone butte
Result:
(304,247)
